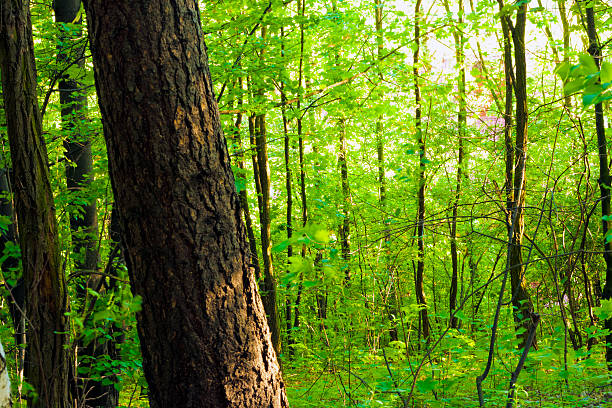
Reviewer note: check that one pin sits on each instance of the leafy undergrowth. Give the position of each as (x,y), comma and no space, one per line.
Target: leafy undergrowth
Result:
(554,376)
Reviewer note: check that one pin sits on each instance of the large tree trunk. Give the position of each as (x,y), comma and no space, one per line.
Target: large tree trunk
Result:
(46,358)
(203,332)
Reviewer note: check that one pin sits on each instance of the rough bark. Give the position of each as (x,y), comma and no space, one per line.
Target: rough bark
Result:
(203,332)
(46,365)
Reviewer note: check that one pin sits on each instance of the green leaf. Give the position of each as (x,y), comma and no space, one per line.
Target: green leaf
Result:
(426,385)
(563,70)
(282,246)
(587,64)
(589,99)
(573,86)
(606,72)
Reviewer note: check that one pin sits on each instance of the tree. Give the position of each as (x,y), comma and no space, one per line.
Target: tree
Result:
(605,181)
(45,288)
(202,327)
(420,139)
(516,162)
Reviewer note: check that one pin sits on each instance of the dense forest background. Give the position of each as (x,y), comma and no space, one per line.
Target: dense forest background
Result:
(425,187)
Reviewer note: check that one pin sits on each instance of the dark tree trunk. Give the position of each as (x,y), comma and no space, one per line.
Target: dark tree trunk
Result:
(46,367)
(288,189)
(83,220)
(345,226)
(203,332)
(83,217)
(262,176)
(420,291)
(461,130)
(604,177)
(244,198)
(516,160)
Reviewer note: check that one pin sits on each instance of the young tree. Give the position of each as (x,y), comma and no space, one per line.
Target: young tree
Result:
(46,365)
(204,336)
(420,292)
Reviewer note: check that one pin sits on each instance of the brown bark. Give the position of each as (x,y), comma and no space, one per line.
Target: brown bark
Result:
(46,358)
(204,337)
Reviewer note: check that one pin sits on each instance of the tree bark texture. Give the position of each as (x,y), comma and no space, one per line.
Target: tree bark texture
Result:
(203,332)
(46,358)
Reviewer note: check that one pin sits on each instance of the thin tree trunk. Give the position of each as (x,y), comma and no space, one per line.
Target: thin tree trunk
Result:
(268,294)
(83,217)
(47,364)
(288,189)
(420,292)
(203,332)
(345,228)
(382,186)
(516,158)
(243,194)
(604,176)
(461,130)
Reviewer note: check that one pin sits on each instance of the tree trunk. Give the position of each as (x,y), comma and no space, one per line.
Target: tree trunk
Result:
(516,158)
(268,293)
(390,271)
(420,292)
(83,217)
(461,129)
(345,226)
(244,198)
(203,332)
(604,177)
(46,366)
